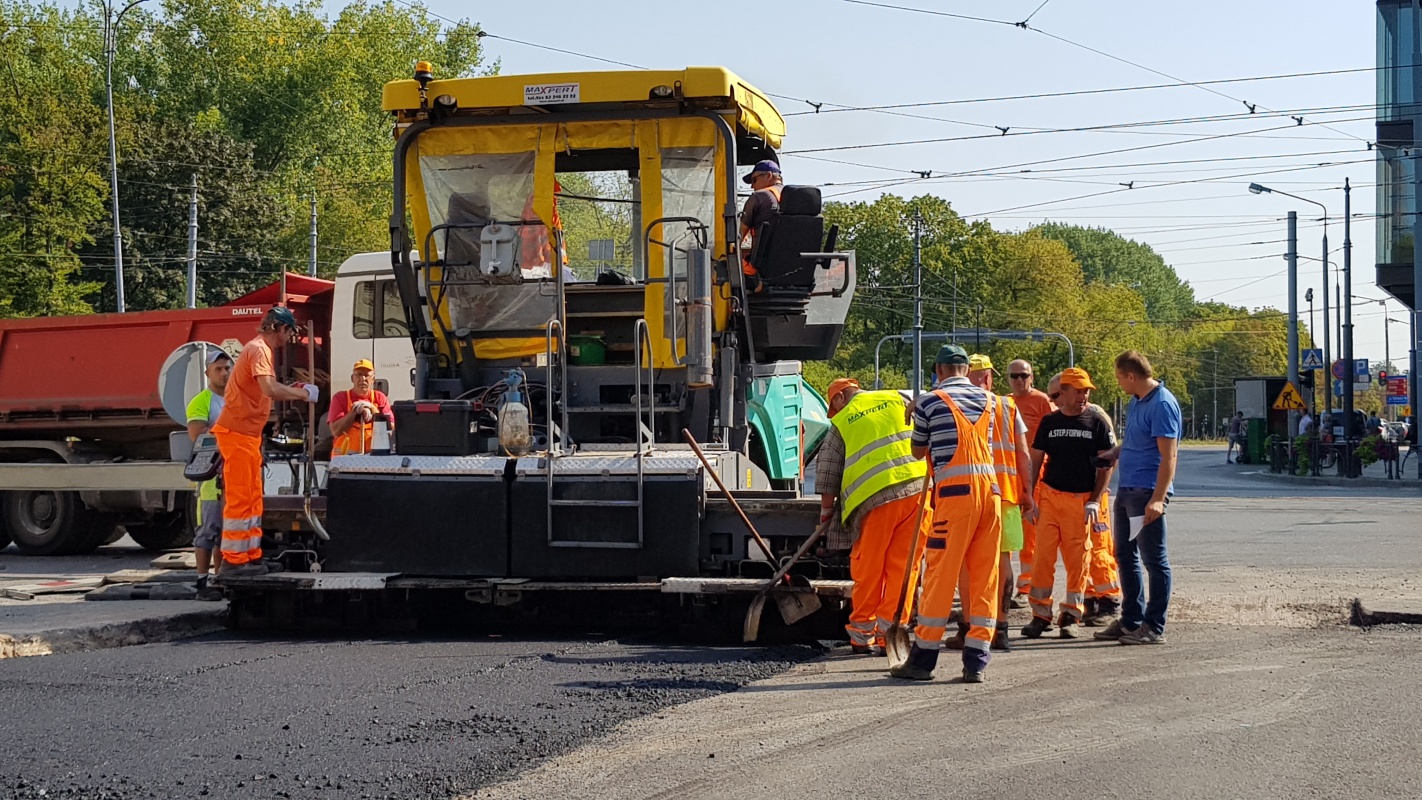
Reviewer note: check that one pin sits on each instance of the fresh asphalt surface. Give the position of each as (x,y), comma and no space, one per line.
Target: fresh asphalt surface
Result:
(236,716)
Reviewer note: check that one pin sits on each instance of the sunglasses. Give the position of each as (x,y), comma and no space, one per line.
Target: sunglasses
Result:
(1019,375)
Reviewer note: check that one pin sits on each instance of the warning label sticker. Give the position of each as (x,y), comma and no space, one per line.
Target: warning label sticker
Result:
(545,94)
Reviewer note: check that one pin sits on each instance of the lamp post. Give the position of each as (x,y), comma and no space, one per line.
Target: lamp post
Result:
(1293,298)
(1312,331)
(111,22)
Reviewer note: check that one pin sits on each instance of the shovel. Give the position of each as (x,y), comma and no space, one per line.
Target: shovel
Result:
(897,641)
(794,606)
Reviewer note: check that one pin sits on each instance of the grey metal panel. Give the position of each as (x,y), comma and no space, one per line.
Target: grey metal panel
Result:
(425,465)
(125,476)
(610,465)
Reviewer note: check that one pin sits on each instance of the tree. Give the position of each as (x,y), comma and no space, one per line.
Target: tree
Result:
(1108,258)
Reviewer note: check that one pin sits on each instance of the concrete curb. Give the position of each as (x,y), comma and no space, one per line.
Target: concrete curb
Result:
(1360,483)
(121,634)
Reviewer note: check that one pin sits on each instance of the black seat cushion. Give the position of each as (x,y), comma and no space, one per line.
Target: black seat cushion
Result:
(798,228)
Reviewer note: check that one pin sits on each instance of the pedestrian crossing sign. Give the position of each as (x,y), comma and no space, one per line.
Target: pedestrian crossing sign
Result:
(1289,399)
(1312,358)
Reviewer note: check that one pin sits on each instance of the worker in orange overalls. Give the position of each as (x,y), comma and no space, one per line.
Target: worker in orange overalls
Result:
(1103,580)
(353,412)
(1068,501)
(1033,404)
(762,206)
(250,392)
(1011,461)
(866,466)
(953,427)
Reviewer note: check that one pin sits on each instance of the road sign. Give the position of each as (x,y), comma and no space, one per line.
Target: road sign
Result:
(1338,370)
(1406,411)
(1360,370)
(1397,390)
(1289,399)
(1311,359)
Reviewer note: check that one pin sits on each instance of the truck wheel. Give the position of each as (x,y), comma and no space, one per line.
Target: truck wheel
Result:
(167,531)
(53,523)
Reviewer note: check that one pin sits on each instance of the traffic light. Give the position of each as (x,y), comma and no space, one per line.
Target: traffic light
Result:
(1306,380)
(1382,378)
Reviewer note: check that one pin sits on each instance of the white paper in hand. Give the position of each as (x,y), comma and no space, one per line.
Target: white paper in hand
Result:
(1137,523)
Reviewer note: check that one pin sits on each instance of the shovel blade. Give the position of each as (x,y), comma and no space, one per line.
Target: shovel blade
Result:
(795,606)
(751,630)
(897,644)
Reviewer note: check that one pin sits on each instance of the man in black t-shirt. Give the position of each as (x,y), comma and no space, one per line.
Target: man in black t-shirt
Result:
(1068,501)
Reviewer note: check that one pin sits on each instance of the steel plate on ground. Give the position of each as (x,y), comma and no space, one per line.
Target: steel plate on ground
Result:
(823,588)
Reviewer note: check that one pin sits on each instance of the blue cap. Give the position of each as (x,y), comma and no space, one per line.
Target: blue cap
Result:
(762,166)
(280,315)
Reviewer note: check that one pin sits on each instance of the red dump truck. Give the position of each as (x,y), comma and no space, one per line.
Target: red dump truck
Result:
(84,438)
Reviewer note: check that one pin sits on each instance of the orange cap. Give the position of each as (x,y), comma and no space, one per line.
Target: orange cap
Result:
(839,385)
(1077,379)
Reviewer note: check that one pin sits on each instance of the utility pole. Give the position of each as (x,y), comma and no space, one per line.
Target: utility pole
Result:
(1293,333)
(1347,313)
(109,23)
(1215,382)
(917,293)
(955,304)
(192,245)
(1327,326)
(311,264)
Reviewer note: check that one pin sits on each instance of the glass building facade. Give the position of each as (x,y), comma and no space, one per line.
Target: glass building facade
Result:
(1399,120)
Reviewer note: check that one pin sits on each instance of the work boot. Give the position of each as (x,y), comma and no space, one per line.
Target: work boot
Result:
(918,667)
(1067,627)
(249,570)
(1107,609)
(999,639)
(955,642)
(974,675)
(1113,632)
(1089,608)
(1017,601)
(1036,627)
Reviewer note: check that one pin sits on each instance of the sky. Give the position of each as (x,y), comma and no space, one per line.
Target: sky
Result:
(966,56)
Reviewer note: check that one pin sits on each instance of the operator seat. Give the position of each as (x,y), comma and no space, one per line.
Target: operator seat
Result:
(788,278)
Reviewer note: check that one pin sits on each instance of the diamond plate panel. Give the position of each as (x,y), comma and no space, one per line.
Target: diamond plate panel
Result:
(426,465)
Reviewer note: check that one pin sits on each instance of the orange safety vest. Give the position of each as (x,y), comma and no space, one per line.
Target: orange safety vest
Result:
(970,473)
(1004,450)
(357,437)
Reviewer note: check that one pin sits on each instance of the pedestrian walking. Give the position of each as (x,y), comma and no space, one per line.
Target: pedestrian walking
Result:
(1146,462)
(866,467)
(1068,502)
(1236,436)
(952,425)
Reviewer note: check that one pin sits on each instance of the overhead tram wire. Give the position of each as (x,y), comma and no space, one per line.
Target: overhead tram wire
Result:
(1024,26)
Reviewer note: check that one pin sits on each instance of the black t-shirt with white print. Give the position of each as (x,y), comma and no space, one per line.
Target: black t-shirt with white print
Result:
(1071,445)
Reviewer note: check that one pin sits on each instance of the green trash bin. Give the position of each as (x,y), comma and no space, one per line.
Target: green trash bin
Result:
(1256,446)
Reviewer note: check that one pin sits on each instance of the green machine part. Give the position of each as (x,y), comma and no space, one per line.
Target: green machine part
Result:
(778,403)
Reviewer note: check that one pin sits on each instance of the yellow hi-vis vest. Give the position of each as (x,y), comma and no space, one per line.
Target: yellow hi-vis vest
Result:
(877,452)
(1004,449)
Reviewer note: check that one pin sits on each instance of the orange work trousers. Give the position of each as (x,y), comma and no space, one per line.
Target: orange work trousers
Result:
(1024,558)
(877,564)
(243,489)
(1104,579)
(967,532)
(1062,527)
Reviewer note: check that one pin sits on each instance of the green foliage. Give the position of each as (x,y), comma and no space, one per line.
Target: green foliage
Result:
(268,102)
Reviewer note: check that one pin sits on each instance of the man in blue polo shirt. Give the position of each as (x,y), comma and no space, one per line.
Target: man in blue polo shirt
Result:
(1146,454)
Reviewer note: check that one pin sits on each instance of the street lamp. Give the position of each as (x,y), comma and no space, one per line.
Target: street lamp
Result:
(1260,189)
(111,22)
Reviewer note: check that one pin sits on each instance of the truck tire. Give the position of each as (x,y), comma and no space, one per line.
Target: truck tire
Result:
(167,531)
(53,523)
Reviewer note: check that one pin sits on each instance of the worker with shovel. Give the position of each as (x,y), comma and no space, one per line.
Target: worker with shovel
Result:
(866,464)
(953,426)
